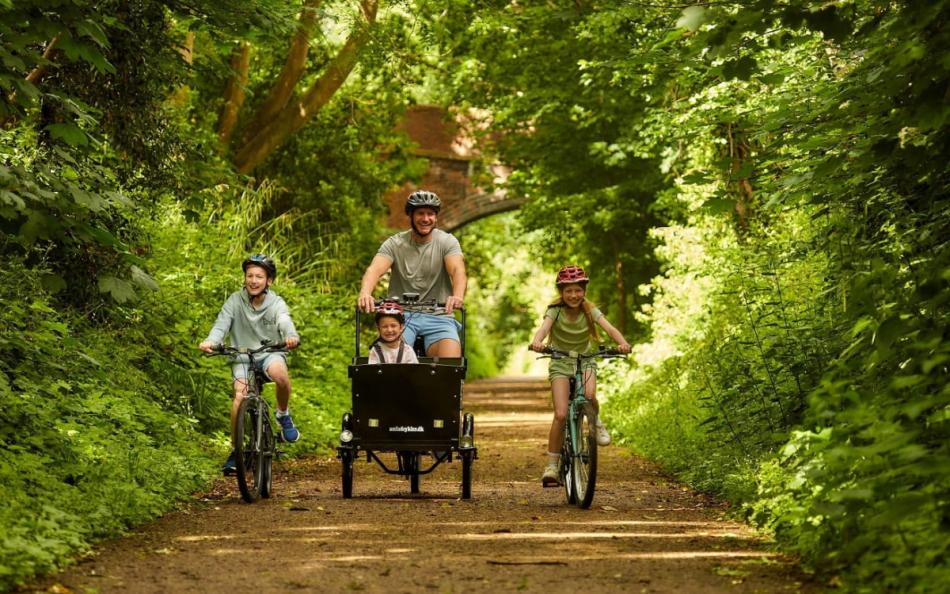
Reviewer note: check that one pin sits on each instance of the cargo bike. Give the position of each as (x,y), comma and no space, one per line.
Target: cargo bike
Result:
(413,410)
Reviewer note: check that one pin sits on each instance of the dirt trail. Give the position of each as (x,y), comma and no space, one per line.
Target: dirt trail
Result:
(643,533)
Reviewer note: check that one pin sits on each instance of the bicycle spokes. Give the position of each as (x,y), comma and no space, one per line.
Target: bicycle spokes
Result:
(584,464)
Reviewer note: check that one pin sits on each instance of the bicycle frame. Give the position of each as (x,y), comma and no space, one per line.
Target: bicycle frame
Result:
(577,401)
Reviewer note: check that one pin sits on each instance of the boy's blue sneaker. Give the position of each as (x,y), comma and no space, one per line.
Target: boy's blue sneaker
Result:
(230,466)
(288,431)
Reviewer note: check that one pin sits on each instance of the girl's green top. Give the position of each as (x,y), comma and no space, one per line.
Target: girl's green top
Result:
(571,336)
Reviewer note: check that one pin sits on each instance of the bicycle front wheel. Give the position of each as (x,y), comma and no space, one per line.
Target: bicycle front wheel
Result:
(247,450)
(268,453)
(566,468)
(584,459)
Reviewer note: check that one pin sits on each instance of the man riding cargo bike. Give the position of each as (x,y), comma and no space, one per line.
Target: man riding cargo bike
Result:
(412,409)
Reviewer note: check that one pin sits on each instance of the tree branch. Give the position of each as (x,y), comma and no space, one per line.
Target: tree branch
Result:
(234,94)
(296,114)
(37,73)
(33,77)
(283,89)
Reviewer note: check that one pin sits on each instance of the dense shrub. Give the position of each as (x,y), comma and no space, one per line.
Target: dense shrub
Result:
(88,443)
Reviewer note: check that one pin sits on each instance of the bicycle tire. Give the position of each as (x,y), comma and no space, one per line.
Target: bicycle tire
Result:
(269,451)
(247,450)
(584,462)
(565,470)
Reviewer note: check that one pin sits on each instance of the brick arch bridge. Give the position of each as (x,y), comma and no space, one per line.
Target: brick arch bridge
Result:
(451,156)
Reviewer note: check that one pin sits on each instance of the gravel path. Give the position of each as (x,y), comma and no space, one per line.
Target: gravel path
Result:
(643,533)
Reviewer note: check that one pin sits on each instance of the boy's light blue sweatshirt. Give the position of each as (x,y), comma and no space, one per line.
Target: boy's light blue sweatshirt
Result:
(249,326)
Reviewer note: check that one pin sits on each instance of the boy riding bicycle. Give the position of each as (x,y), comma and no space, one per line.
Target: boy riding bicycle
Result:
(571,322)
(250,316)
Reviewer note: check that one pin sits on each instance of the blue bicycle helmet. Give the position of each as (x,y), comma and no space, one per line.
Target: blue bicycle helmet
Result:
(262,260)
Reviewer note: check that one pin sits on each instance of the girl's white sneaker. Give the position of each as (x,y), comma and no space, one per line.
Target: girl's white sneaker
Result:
(549,478)
(603,436)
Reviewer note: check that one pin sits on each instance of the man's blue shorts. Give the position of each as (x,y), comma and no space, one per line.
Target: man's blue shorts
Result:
(432,328)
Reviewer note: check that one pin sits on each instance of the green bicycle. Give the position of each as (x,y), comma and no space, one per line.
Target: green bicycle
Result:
(578,468)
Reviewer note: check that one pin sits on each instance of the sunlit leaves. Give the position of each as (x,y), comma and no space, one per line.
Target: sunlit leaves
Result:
(692,18)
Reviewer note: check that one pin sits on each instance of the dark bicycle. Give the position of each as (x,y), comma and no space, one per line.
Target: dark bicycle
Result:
(414,410)
(252,436)
(578,468)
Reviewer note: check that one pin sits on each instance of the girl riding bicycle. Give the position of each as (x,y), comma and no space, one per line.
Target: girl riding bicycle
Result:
(571,322)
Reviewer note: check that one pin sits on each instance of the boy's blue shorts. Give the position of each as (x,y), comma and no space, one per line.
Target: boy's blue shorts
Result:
(432,328)
(240,369)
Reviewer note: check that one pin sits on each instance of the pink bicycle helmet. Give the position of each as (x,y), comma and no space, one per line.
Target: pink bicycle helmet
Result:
(391,308)
(571,274)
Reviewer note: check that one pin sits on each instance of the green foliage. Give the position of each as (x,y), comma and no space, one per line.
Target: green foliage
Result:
(503,295)
(566,127)
(122,232)
(89,444)
(789,158)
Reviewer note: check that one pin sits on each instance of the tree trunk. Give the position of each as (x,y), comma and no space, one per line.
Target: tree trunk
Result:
(297,113)
(621,299)
(234,94)
(739,151)
(283,89)
(180,97)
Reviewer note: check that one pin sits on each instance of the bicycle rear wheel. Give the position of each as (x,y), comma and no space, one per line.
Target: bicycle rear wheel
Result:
(584,460)
(247,450)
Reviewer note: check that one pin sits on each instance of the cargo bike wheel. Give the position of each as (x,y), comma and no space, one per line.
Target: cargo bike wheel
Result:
(347,456)
(409,466)
(467,453)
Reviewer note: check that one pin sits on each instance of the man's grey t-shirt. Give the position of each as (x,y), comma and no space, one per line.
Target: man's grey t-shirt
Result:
(420,267)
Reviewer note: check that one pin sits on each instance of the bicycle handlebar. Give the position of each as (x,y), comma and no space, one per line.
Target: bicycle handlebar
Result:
(418,306)
(605,353)
(224,349)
